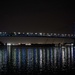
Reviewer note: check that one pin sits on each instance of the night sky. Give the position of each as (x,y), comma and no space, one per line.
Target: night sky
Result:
(37,16)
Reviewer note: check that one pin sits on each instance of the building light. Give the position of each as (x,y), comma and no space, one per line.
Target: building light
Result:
(28,44)
(8,43)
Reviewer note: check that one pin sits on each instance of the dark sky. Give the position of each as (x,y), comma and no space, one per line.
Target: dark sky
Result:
(37,16)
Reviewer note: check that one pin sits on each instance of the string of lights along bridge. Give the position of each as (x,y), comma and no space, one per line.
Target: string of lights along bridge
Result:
(31,34)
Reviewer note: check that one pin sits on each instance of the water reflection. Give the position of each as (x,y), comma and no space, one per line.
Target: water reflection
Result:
(36,58)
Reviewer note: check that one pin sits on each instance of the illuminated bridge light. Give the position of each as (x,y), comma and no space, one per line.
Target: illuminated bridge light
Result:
(63,46)
(65,34)
(58,34)
(4,34)
(72,44)
(62,35)
(23,33)
(0,32)
(35,33)
(15,33)
(27,33)
(43,34)
(8,43)
(51,34)
(19,32)
(74,34)
(13,44)
(28,44)
(19,43)
(69,35)
(55,34)
(31,33)
(48,34)
(40,33)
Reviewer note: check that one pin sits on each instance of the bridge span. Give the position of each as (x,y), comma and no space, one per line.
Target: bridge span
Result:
(39,38)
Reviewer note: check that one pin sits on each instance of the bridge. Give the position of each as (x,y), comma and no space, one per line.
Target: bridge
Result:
(39,38)
(31,34)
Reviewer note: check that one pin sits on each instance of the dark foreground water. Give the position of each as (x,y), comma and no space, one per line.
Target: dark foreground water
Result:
(22,60)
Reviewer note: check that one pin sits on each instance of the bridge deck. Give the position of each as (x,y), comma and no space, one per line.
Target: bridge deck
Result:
(47,35)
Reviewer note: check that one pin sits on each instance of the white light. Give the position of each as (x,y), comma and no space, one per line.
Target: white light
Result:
(48,34)
(43,34)
(35,33)
(15,33)
(63,47)
(54,33)
(58,34)
(0,32)
(65,34)
(27,33)
(28,44)
(23,33)
(40,33)
(62,34)
(19,33)
(13,44)
(51,33)
(5,32)
(8,43)
(19,43)
(72,44)
(31,33)
(68,34)
(71,34)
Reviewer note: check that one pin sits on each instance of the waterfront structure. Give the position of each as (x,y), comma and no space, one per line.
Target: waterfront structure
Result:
(39,38)
(39,57)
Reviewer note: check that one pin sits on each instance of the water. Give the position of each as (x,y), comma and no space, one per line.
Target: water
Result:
(37,60)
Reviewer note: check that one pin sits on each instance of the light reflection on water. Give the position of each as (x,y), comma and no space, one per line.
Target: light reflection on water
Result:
(36,58)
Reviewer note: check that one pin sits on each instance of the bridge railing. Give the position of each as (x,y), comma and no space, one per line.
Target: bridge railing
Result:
(23,34)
